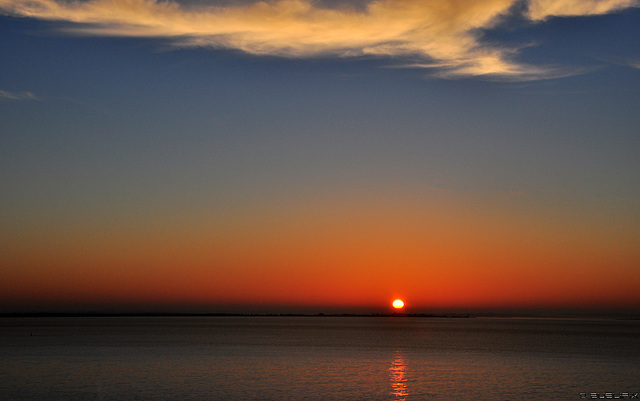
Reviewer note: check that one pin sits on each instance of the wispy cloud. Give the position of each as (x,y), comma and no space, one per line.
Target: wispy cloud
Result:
(443,34)
(17,95)
(542,9)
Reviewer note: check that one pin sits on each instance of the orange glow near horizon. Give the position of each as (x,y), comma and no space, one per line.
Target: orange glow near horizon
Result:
(504,251)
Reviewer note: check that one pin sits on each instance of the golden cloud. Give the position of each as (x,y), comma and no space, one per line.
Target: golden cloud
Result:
(437,33)
(541,9)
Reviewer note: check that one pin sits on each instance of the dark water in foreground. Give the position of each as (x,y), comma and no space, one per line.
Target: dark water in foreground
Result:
(315,358)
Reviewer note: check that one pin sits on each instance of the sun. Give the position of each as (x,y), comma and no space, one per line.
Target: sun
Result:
(398,304)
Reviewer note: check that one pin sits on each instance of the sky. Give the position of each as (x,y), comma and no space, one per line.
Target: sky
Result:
(298,156)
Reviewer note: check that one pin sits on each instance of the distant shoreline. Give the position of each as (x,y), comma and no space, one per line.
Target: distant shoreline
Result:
(92,314)
(629,317)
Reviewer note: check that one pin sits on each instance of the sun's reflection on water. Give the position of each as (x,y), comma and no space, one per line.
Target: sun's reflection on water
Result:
(398,378)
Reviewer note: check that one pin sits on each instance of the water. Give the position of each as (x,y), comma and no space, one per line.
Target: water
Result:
(315,358)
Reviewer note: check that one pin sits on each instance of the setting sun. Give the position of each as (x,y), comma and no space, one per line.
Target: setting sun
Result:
(398,304)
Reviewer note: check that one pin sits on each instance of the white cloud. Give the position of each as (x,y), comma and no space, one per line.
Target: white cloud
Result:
(17,95)
(442,33)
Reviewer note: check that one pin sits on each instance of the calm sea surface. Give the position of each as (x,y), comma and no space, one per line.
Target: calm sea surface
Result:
(315,358)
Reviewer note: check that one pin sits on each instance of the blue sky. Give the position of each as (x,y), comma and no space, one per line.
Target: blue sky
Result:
(109,117)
